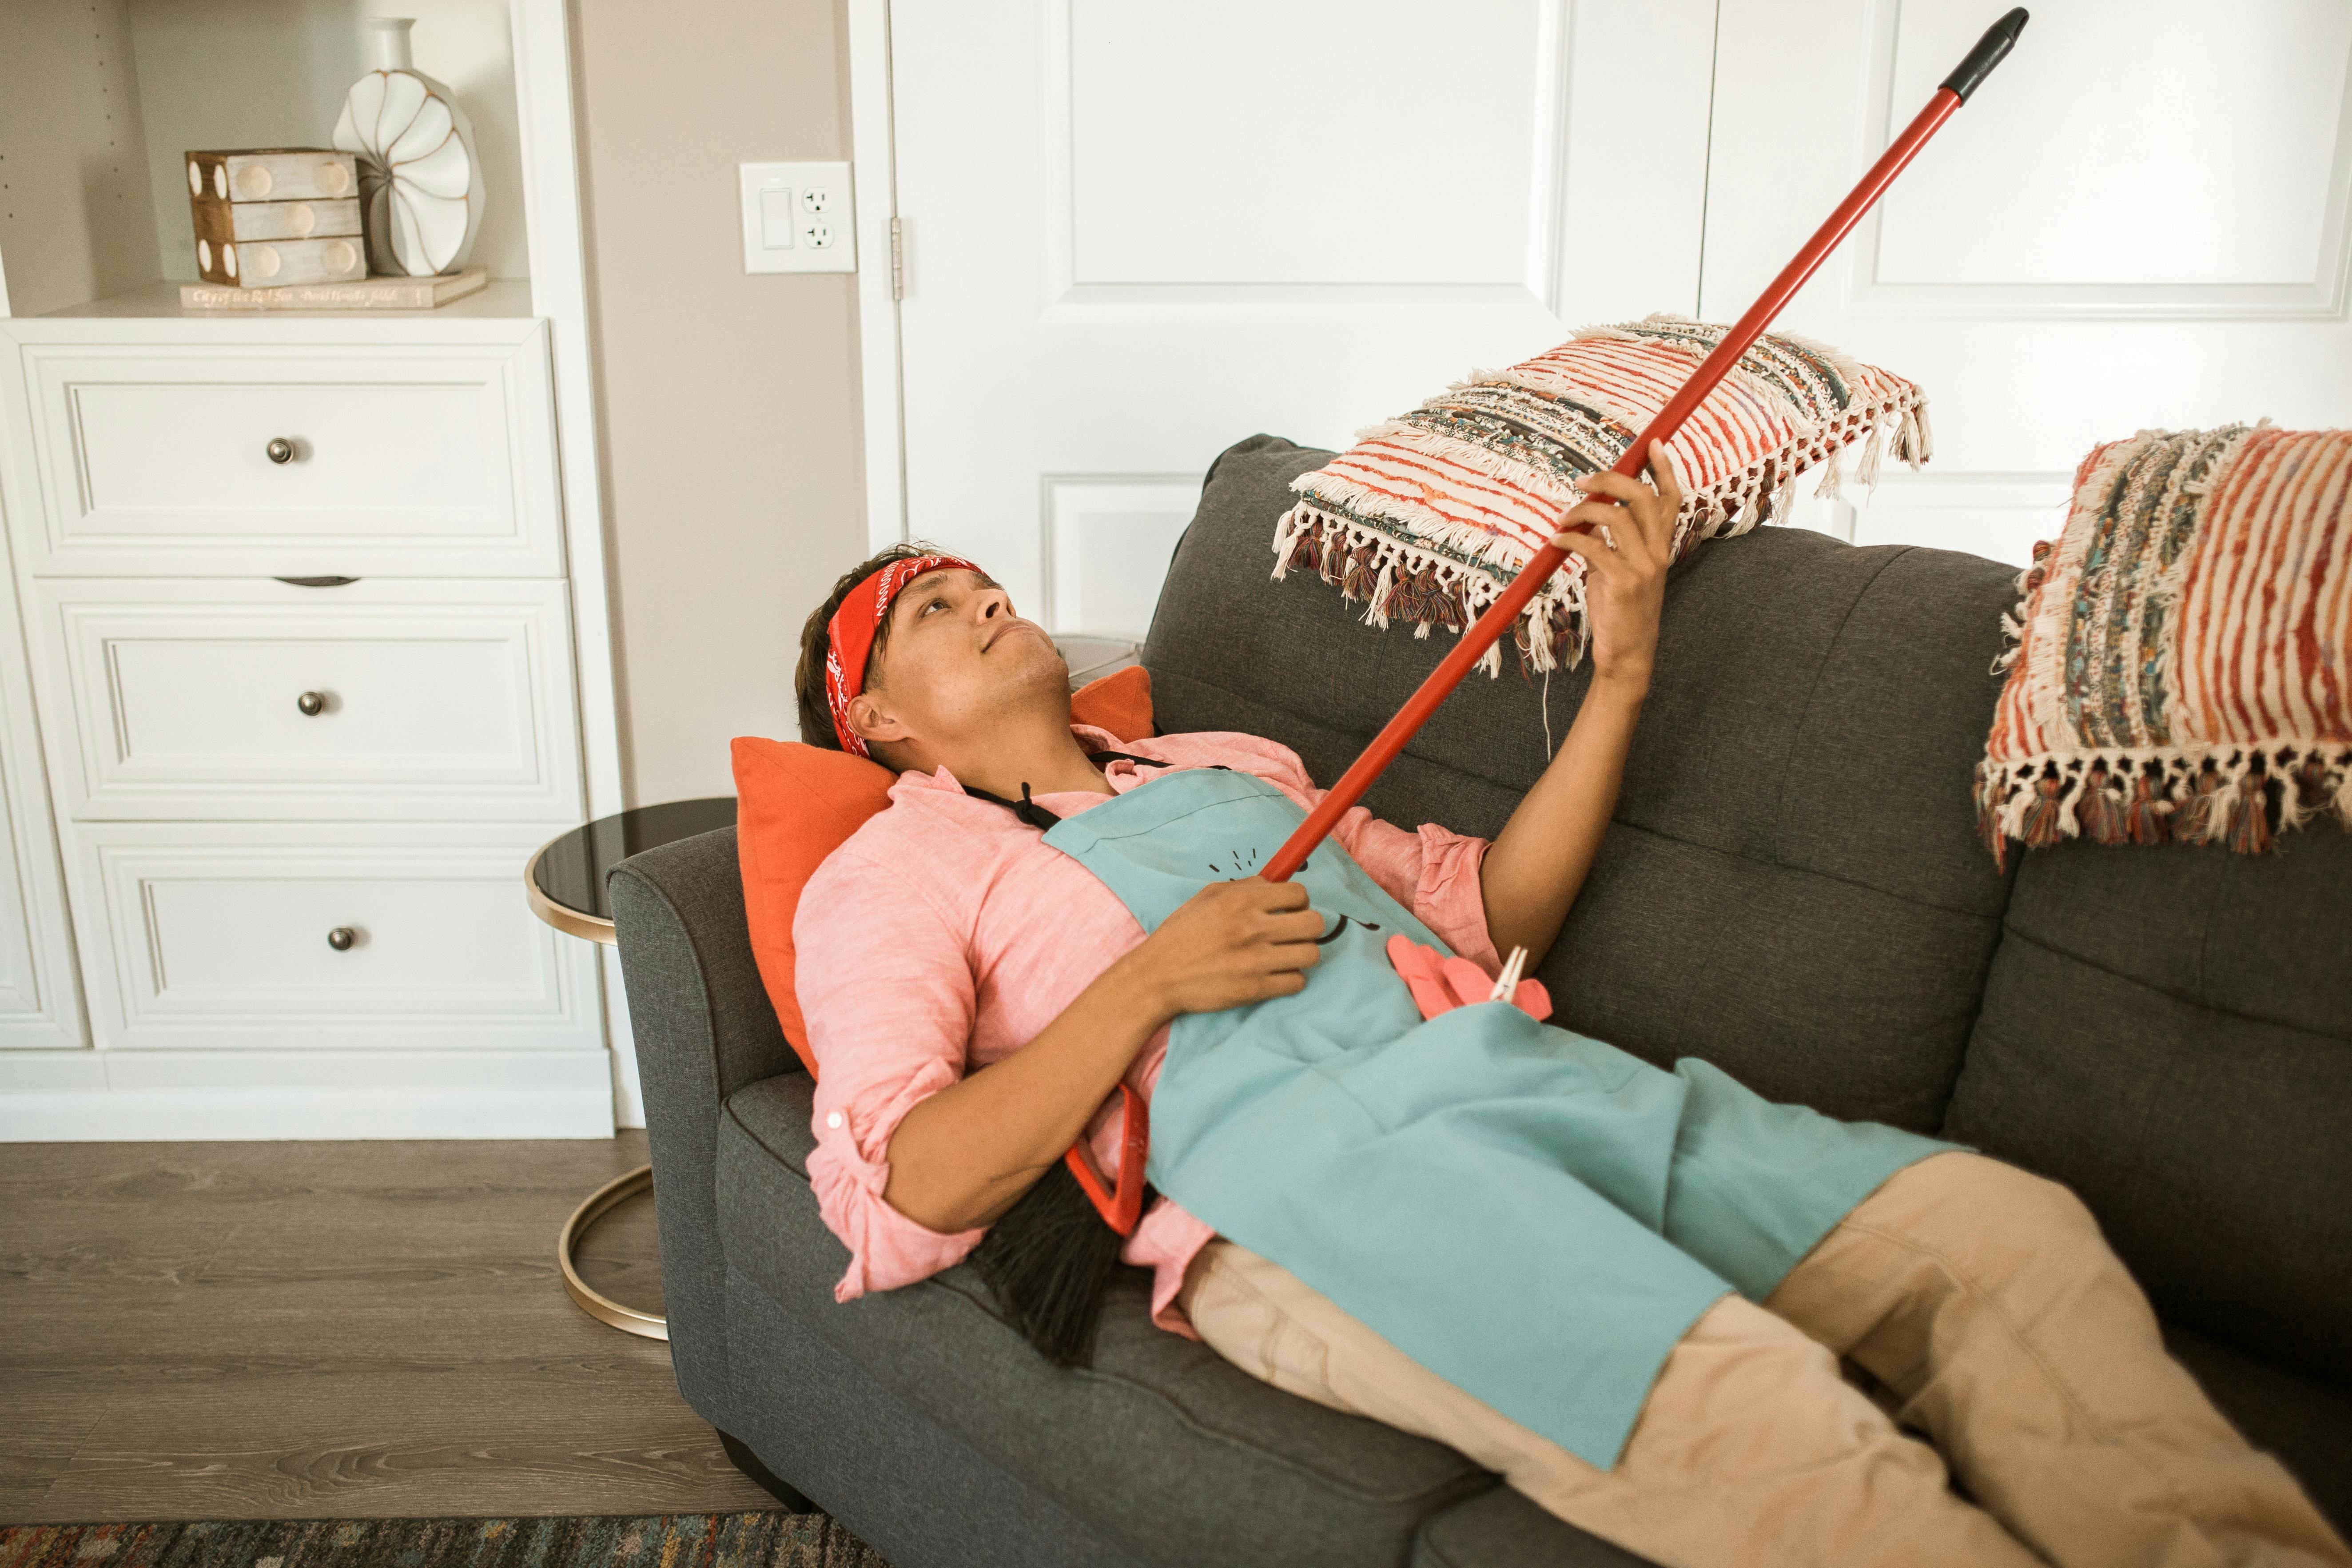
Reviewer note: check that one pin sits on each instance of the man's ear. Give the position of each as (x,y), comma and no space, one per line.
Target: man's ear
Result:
(872,721)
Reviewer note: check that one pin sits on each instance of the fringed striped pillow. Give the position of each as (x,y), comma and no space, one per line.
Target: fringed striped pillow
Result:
(1427,517)
(2183,657)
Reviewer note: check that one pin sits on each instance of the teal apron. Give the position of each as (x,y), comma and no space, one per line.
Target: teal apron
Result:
(1533,1215)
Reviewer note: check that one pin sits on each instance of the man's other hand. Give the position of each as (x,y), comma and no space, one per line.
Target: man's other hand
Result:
(1232,943)
(1625,567)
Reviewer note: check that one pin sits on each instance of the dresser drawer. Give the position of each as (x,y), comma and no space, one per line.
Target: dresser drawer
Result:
(243,936)
(385,701)
(295,460)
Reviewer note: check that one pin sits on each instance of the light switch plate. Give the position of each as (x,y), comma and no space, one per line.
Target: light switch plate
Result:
(797,217)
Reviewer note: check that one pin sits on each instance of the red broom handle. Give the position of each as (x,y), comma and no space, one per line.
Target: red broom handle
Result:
(1998,39)
(1490,626)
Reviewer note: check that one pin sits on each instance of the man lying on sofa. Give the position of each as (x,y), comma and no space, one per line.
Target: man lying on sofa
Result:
(1626,1289)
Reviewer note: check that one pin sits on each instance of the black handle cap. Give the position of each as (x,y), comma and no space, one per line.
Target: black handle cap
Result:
(1990,50)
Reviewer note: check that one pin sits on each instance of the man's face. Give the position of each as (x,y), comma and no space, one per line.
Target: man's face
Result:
(957,660)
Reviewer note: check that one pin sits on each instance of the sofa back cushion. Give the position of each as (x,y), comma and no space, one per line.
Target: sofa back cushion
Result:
(1791,888)
(2168,1031)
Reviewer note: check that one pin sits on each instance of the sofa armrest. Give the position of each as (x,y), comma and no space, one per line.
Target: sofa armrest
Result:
(704,1028)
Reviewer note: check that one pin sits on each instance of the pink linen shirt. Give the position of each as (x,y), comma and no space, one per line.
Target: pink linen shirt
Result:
(945,934)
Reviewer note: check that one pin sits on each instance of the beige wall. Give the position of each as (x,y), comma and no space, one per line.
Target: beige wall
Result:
(74,219)
(729,402)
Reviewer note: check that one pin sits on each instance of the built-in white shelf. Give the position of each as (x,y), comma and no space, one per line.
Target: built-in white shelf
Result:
(502,299)
(179,836)
(101,103)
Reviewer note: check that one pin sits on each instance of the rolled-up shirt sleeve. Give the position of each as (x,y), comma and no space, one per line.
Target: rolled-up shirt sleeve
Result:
(1442,869)
(1429,870)
(886,989)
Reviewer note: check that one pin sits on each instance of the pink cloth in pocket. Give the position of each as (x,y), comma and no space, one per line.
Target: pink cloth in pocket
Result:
(1441,984)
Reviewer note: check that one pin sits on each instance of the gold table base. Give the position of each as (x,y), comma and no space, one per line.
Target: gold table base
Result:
(620,835)
(600,1307)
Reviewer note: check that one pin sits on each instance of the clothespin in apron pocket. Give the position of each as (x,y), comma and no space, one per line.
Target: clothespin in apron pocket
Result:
(1440,983)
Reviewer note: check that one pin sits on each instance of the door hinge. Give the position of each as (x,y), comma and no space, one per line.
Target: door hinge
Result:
(897,261)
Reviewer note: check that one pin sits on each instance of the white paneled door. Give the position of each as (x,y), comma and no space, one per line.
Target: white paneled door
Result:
(1136,234)
(2139,220)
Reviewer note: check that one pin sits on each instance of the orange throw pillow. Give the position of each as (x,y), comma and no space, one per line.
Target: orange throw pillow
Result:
(795,804)
(1120,704)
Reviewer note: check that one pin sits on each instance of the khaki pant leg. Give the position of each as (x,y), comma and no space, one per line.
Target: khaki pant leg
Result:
(1750,1449)
(1985,1300)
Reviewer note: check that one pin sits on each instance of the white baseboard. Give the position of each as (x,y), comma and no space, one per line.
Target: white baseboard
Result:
(202,1096)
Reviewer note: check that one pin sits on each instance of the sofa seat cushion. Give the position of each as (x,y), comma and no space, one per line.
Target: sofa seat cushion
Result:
(1501,1529)
(1791,888)
(2168,1031)
(1161,1424)
(1170,1452)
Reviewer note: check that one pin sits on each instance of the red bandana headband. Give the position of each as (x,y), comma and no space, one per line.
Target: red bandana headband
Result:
(849,636)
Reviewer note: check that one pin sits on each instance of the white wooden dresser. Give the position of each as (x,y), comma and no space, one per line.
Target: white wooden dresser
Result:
(310,630)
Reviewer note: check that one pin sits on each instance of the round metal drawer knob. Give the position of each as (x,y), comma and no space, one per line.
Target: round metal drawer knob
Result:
(281,449)
(341,938)
(312,703)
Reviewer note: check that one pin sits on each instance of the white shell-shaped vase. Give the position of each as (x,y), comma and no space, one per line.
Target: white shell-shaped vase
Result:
(420,183)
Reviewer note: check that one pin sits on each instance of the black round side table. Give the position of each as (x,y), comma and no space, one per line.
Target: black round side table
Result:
(565,883)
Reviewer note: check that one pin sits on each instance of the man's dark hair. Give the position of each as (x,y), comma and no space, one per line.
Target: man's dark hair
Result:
(816,641)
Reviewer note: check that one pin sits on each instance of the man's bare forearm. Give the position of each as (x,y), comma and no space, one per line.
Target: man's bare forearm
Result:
(1538,863)
(1624,535)
(964,1155)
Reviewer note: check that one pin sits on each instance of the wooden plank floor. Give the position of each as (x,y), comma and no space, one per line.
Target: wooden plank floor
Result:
(346,1330)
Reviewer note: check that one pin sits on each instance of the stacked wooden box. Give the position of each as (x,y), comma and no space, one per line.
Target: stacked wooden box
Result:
(275,217)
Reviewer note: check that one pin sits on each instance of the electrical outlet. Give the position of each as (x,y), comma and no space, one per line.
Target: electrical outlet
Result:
(797,217)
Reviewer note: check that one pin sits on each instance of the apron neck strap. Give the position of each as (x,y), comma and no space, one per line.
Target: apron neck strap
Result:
(1026,809)
(1036,816)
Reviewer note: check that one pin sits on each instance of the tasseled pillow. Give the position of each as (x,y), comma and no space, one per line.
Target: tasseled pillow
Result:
(1427,517)
(2183,659)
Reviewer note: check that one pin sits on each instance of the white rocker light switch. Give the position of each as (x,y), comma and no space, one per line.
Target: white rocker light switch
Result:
(776,220)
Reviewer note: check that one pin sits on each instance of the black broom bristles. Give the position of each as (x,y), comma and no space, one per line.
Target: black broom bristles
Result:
(1050,1261)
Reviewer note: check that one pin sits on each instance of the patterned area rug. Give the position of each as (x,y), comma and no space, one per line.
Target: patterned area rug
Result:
(652,1541)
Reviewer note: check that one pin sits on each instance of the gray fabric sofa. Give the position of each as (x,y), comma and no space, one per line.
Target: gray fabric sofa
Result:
(1793,890)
